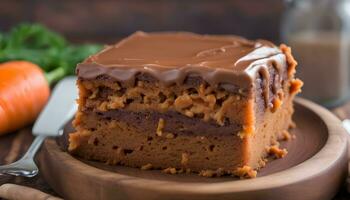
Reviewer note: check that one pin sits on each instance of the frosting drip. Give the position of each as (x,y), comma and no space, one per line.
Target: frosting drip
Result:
(170,57)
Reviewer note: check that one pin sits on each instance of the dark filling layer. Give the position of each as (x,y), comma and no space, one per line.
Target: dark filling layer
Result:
(174,122)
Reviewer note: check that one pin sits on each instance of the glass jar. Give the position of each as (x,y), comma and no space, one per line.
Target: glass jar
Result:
(319,33)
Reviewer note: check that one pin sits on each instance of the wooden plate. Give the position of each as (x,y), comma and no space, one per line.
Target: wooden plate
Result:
(314,168)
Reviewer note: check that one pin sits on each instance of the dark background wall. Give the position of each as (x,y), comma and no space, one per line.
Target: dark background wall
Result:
(108,20)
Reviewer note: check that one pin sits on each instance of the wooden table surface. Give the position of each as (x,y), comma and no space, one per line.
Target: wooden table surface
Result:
(12,146)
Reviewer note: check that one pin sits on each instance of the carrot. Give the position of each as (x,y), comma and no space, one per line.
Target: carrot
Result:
(24,91)
(23,88)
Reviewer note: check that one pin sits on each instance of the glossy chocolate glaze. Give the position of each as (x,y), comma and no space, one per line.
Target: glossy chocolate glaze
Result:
(170,57)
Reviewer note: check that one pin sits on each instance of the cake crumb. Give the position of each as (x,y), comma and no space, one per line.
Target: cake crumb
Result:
(277,103)
(183,102)
(200,138)
(184,158)
(161,124)
(241,91)
(173,170)
(280,94)
(211,99)
(212,173)
(245,172)
(170,136)
(77,120)
(103,106)
(77,138)
(94,94)
(113,124)
(292,125)
(116,103)
(262,162)
(295,86)
(201,89)
(140,84)
(169,170)
(286,135)
(165,105)
(147,167)
(206,173)
(189,113)
(277,152)
(274,141)
(241,134)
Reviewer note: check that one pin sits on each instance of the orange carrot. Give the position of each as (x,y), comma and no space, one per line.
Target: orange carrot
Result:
(23,93)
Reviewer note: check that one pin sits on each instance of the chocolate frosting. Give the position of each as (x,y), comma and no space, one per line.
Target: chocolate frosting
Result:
(172,56)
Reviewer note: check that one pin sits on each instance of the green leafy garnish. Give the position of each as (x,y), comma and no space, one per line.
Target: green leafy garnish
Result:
(48,49)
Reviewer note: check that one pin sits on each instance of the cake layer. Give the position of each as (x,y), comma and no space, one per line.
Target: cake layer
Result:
(138,143)
(194,99)
(137,139)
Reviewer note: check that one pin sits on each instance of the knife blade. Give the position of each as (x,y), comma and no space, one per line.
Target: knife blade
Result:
(60,109)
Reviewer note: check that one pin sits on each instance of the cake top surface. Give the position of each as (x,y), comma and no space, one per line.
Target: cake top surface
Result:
(170,56)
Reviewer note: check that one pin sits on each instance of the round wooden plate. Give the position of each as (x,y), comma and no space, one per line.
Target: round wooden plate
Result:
(314,168)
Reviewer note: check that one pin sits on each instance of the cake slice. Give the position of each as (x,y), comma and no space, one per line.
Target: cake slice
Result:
(185,102)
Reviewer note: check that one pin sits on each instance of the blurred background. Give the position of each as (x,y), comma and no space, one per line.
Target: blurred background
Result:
(109,20)
(317,30)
